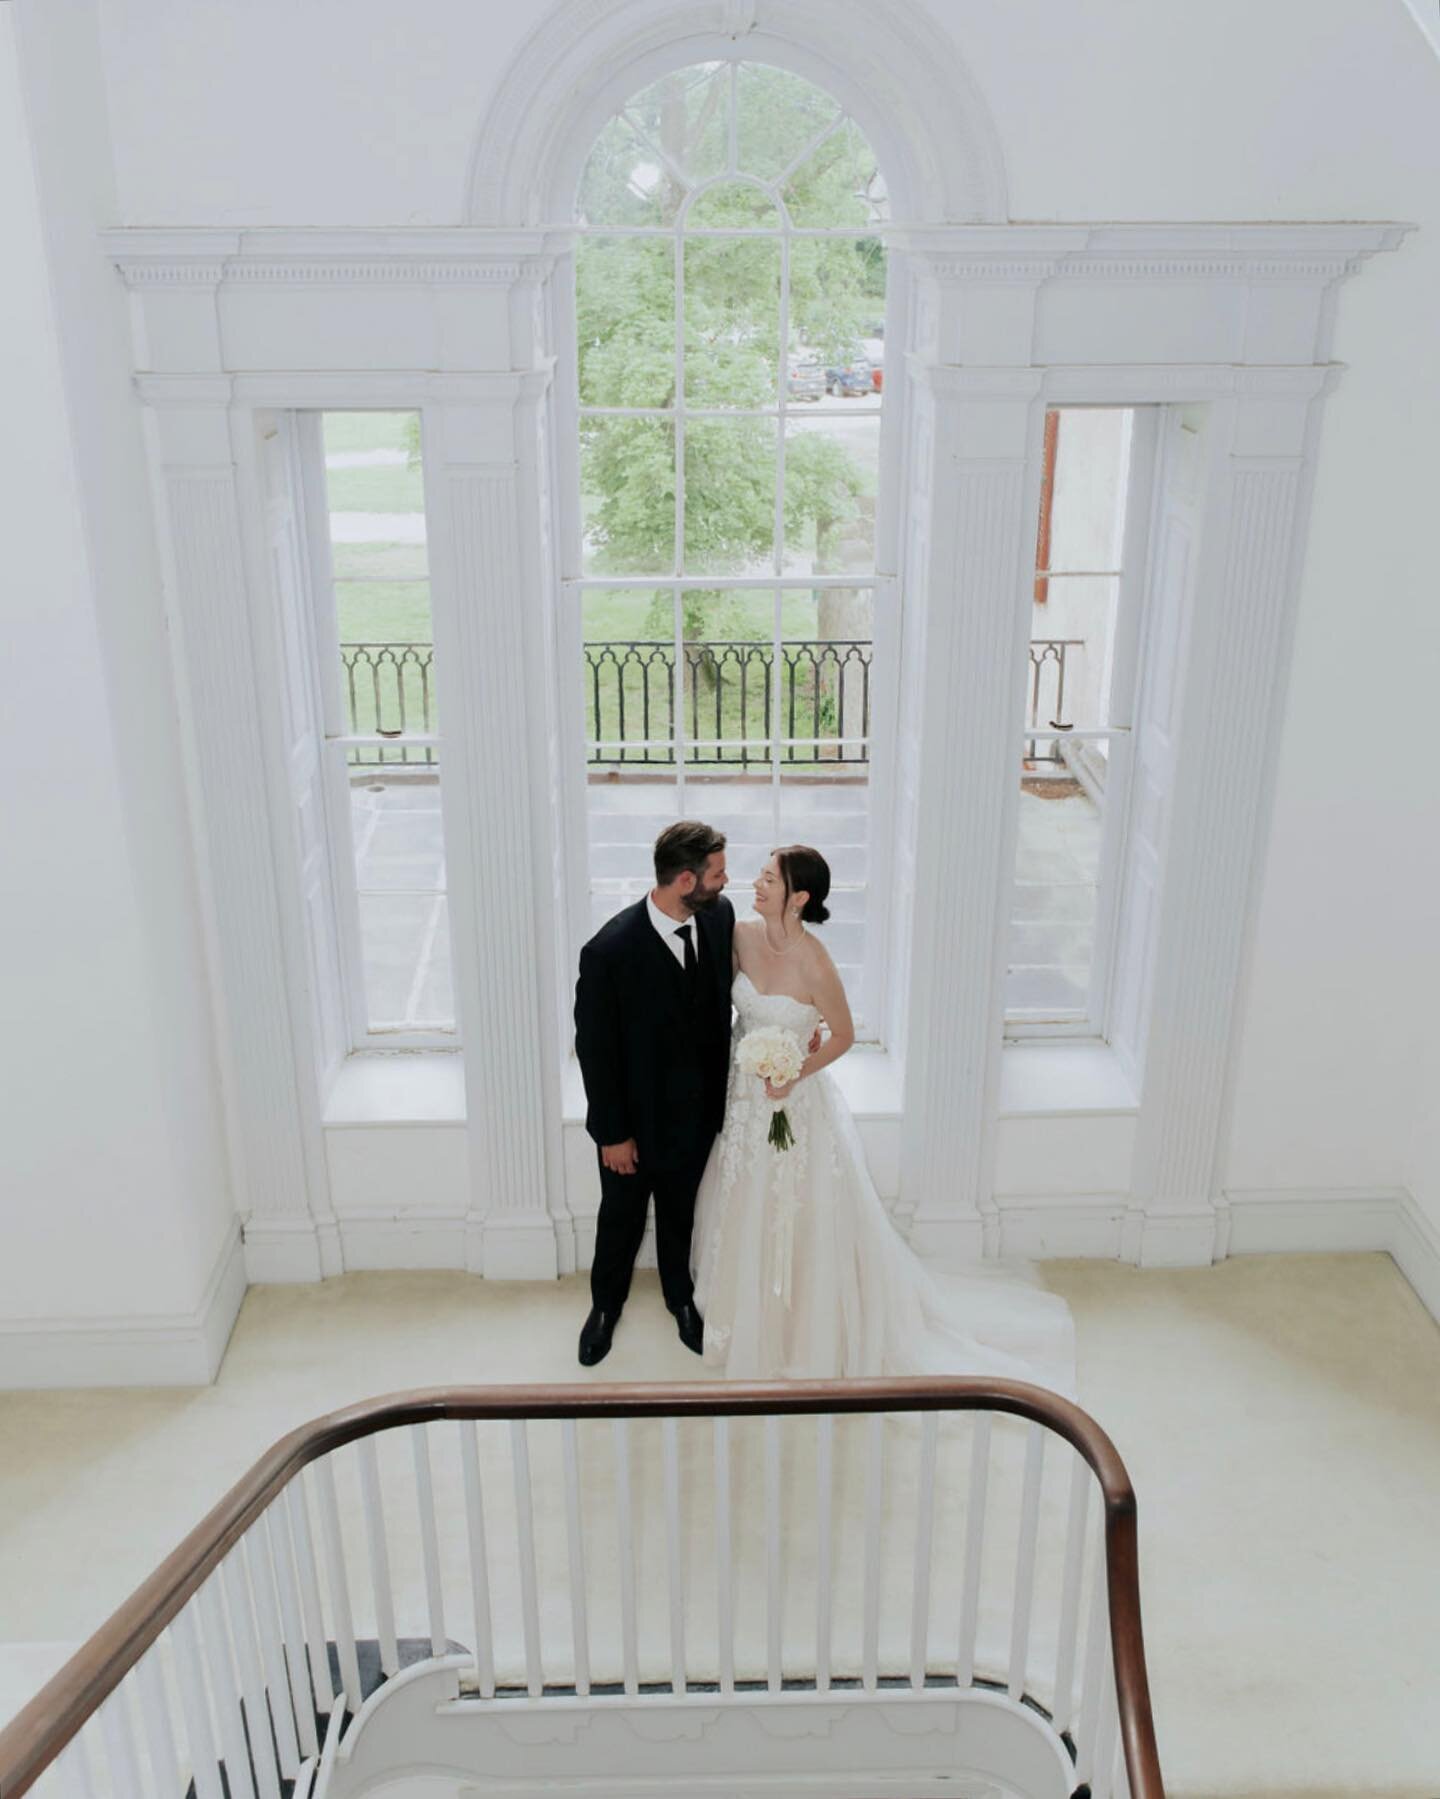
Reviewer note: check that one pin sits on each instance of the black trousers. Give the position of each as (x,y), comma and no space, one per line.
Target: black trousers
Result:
(624,1203)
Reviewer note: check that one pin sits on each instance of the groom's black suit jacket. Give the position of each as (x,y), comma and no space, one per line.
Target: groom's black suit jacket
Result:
(655,1064)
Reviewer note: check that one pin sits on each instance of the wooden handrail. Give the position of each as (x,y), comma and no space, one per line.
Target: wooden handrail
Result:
(37,1735)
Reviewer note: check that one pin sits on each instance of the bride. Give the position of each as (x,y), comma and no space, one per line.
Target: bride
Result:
(799,1271)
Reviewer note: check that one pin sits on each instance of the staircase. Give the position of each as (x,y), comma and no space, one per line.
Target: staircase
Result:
(851,1589)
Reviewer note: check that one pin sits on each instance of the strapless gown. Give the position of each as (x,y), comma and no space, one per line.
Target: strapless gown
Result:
(800,1273)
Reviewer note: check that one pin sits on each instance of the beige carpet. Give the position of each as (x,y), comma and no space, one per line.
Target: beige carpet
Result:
(1281,1418)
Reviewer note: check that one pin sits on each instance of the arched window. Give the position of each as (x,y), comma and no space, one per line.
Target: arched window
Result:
(730,305)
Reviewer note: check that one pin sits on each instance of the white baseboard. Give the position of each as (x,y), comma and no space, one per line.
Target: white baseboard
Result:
(1320,1221)
(167,1350)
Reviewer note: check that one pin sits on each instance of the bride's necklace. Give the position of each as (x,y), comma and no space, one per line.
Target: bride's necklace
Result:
(789,946)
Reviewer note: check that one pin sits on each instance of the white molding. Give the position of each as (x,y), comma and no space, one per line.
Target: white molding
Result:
(181,1349)
(1339,1220)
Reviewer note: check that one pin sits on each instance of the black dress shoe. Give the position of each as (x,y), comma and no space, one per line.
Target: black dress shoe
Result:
(692,1328)
(595,1335)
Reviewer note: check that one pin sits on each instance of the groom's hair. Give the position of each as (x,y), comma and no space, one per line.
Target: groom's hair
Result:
(684,845)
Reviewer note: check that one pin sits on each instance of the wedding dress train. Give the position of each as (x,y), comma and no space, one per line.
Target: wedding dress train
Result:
(800,1273)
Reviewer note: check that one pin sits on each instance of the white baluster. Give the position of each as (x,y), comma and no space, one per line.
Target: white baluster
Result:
(525,1528)
(974,1545)
(1025,1558)
(724,1571)
(252,1685)
(774,1592)
(121,1767)
(621,1432)
(924,1537)
(874,1493)
(479,1567)
(576,1543)
(74,1770)
(379,1550)
(161,1743)
(272,1649)
(670,1442)
(338,1582)
(1097,1657)
(194,1706)
(824,1514)
(225,1686)
(277,1538)
(1107,1744)
(1080,1478)
(429,1537)
(297,1514)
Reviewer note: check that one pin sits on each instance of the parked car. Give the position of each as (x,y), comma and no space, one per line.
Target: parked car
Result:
(806,378)
(850,378)
(874,348)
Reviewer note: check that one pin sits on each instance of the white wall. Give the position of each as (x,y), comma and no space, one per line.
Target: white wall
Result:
(117,1199)
(235,112)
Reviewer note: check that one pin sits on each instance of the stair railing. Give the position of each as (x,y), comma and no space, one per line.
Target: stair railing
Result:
(232,1668)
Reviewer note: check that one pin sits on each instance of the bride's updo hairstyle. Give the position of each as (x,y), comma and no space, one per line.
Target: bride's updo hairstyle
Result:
(806,871)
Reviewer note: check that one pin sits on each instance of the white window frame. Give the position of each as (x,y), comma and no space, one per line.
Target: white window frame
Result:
(1092,1022)
(337,740)
(868,1003)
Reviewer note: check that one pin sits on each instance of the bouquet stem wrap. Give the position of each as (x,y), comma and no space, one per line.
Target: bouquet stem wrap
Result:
(773,1054)
(781,1134)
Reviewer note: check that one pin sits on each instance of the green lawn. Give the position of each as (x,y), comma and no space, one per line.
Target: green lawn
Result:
(366,431)
(395,487)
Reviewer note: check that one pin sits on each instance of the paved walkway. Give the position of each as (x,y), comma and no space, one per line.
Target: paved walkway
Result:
(406,926)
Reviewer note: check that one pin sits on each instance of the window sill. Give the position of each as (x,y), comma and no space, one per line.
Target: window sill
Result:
(413,1087)
(1037,1080)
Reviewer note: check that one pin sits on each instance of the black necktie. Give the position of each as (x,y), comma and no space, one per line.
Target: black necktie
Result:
(692,961)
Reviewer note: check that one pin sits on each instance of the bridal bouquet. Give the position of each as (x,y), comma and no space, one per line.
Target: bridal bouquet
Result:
(773,1054)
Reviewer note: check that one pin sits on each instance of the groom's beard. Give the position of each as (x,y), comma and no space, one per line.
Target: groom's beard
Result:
(701,899)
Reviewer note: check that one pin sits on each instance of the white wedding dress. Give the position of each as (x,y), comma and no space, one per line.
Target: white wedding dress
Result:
(801,1275)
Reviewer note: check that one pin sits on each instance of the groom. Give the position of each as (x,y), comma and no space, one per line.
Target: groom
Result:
(652,1031)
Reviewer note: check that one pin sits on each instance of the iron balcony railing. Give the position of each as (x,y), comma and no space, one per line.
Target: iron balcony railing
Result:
(731,704)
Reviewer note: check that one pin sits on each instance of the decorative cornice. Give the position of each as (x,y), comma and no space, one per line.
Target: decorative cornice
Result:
(307,258)
(1031,254)
(1021,254)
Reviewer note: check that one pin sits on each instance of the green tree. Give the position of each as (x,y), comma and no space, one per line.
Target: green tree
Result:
(626,324)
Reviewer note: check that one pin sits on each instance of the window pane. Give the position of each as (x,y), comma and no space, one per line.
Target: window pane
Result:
(825,675)
(381,596)
(626,182)
(625,321)
(839,185)
(686,115)
(1087,515)
(777,115)
(837,300)
(627,495)
(400,880)
(832,466)
(733,205)
(830,812)
(729,496)
(628,677)
(351,561)
(399,842)
(1052,925)
(408,984)
(388,687)
(1071,654)
(732,321)
(729,663)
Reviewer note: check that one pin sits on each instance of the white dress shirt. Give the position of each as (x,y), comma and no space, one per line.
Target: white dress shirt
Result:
(667,927)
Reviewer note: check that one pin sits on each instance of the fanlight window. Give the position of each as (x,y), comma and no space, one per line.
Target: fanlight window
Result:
(730,306)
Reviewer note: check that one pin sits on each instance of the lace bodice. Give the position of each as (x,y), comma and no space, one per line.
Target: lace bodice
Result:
(756,1009)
